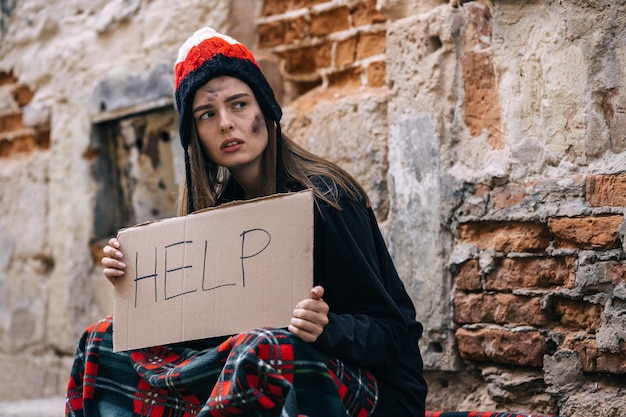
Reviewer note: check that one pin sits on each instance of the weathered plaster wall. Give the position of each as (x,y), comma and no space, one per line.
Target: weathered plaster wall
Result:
(63,52)
(490,135)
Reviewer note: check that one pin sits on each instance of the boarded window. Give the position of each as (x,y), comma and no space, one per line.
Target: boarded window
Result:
(137,169)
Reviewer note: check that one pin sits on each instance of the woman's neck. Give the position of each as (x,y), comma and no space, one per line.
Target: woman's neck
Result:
(251,183)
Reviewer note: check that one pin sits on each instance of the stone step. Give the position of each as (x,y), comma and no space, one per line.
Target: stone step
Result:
(44,407)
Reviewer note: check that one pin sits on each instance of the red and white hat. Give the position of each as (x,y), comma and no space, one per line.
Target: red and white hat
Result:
(208,54)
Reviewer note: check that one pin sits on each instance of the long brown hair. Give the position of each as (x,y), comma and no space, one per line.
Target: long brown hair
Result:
(297,165)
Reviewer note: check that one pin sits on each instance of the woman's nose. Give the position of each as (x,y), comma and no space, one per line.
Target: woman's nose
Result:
(225,123)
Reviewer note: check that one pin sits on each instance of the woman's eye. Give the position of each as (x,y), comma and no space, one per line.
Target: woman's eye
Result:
(240,104)
(206,115)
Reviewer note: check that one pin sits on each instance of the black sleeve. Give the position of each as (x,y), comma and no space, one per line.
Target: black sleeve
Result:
(366,326)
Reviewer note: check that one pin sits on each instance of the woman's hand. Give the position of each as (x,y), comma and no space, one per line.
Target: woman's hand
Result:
(310,316)
(113,266)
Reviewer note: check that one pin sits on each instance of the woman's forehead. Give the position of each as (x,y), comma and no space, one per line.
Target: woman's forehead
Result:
(224,83)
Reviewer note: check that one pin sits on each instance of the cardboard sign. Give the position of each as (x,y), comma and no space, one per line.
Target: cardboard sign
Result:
(216,272)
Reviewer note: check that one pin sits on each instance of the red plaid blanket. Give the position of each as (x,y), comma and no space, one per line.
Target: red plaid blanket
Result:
(266,372)
(480,414)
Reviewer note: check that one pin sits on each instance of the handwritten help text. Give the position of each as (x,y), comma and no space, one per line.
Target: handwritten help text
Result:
(166,277)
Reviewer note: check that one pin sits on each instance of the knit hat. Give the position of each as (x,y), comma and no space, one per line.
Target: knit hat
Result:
(208,54)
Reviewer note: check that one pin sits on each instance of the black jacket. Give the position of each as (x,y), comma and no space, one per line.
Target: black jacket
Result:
(372,319)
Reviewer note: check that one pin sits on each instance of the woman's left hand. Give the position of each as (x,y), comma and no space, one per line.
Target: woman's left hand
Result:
(310,316)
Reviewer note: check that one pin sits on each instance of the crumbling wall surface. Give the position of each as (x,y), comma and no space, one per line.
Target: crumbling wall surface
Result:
(506,175)
(54,58)
(26,261)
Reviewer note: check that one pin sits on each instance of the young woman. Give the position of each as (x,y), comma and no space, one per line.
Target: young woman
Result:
(351,348)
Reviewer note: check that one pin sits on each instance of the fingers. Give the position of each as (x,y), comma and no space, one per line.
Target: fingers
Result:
(310,316)
(317,292)
(308,336)
(113,271)
(307,331)
(113,266)
(307,319)
(112,249)
(113,262)
(311,305)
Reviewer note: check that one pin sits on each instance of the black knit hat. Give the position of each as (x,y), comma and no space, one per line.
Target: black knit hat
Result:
(208,54)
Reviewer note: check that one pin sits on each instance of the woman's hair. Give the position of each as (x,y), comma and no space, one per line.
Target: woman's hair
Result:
(297,165)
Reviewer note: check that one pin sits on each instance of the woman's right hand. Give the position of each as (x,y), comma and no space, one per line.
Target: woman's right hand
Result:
(113,265)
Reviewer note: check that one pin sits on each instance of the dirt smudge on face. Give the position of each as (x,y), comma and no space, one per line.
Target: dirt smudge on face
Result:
(257,124)
(212,94)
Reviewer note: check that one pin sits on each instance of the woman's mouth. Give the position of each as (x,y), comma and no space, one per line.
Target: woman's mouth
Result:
(231,145)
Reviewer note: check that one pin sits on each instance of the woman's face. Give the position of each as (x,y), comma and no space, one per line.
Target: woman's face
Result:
(230,125)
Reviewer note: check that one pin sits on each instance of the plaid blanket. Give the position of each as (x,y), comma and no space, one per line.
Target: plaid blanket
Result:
(265,372)
(480,414)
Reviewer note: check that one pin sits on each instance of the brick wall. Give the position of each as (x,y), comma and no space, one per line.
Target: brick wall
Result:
(532,296)
(546,283)
(541,280)
(17,135)
(334,43)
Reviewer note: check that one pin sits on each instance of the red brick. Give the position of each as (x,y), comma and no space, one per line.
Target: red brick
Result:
(345,52)
(507,196)
(365,13)
(481,103)
(594,360)
(23,95)
(22,142)
(271,34)
(350,77)
(10,122)
(606,190)
(547,189)
(43,139)
(5,148)
(513,273)
(300,4)
(273,7)
(612,107)
(579,315)
(370,44)
(297,30)
(377,74)
(592,232)
(615,271)
(307,60)
(7,78)
(479,23)
(481,190)
(25,144)
(499,309)
(330,21)
(614,363)
(502,346)
(506,236)
(468,278)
